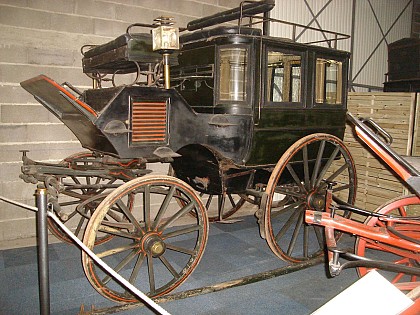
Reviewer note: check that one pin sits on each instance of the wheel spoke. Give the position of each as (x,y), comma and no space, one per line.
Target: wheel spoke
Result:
(182,232)
(285,209)
(136,269)
(121,265)
(169,266)
(69,203)
(306,168)
(305,240)
(117,232)
(180,249)
(187,208)
(129,215)
(146,206)
(317,163)
(402,211)
(115,251)
(163,207)
(326,166)
(209,199)
(287,225)
(340,188)
(152,284)
(295,177)
(232,201)
(298,225)
(337,172)
(221,205)
(79,225)
(319,236)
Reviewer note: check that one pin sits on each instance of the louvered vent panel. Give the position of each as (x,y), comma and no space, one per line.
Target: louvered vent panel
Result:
(149,122)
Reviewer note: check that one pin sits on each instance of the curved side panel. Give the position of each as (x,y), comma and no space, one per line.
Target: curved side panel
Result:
(199,167)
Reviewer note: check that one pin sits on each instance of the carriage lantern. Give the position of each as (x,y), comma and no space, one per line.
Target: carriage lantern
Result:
(165,40)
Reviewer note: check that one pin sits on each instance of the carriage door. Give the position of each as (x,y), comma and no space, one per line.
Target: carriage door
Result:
(281,115)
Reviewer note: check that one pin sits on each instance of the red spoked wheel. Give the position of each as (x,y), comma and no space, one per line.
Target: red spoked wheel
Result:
(156,246)
(401,206)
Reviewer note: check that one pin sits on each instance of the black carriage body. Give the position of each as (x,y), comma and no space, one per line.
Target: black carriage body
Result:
(273,123)
(239,100)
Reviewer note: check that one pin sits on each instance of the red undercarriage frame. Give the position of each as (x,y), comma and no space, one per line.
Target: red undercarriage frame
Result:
(389,239)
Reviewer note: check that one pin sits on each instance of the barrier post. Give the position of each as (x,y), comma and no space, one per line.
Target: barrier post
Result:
(42,242)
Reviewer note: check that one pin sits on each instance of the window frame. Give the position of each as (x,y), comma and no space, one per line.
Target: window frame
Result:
(267,103)
(342,82)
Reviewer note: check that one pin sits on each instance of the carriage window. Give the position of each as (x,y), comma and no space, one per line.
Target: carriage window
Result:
(283,77)
(233,69)
(328,81)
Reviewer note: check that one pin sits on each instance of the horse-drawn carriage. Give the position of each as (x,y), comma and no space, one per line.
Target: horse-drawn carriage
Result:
(239,100)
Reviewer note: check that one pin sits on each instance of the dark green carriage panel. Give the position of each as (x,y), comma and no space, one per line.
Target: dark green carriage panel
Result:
(279,129)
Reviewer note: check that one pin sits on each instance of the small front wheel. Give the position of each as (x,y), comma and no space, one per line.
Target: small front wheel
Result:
(156,246)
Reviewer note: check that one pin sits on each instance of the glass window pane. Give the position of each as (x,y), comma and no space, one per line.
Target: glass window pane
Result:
(328,89)
(283,77)
(233,69)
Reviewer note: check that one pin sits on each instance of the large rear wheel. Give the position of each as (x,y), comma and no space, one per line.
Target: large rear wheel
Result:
(300,178)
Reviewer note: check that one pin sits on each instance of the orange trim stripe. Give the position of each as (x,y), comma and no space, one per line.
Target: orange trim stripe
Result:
(82,104)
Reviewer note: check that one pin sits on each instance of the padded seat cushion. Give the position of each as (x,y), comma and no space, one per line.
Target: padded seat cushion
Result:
(120,53)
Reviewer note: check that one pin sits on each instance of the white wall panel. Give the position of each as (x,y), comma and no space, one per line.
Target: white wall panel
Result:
(368,37)
(370,49)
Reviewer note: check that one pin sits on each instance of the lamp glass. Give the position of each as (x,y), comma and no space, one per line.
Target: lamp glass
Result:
(165,38)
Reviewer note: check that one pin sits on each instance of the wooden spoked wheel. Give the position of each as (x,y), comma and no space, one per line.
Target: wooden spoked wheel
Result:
(78,201)
(156,246)
(226,205)
(300,176)
(401,206)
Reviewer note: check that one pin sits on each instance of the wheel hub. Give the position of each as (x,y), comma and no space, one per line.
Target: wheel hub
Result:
(316,201)
(154,245)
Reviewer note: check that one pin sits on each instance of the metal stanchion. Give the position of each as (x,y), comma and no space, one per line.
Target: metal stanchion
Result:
(42,241)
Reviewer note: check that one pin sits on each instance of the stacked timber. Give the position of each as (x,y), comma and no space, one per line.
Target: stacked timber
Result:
(397,113)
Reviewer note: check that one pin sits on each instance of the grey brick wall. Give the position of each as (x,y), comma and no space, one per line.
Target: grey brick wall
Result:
(44,37)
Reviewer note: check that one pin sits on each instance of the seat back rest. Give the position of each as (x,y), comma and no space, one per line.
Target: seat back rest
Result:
(78,116)
(57,99)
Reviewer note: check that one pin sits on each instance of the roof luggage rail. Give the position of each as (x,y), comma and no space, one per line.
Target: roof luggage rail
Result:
(246,8)
(251,9)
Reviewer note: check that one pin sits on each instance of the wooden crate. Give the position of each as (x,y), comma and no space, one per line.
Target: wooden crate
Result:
(398,114)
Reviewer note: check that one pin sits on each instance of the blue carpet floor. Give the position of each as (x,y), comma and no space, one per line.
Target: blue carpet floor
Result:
(233,251)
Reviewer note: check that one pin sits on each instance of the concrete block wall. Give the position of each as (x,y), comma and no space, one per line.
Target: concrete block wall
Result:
(45,37)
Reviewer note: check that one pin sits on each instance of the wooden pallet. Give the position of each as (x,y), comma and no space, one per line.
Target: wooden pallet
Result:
(398,114)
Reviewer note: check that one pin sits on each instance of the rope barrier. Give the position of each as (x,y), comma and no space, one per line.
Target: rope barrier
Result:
(92,255)
(19,204)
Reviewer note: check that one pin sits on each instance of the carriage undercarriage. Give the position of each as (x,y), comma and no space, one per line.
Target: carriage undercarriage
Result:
(135,219)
